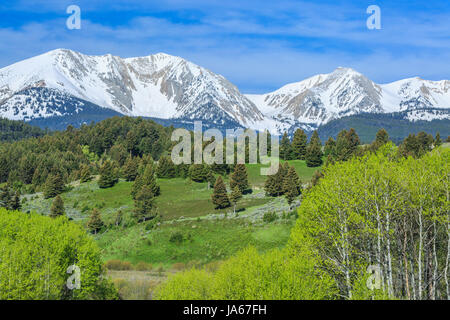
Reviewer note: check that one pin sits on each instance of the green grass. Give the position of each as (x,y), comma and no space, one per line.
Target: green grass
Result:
(205,241)
(305,173)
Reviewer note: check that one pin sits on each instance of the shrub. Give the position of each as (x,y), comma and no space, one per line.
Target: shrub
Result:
(270,217)
(176,237)
(40,250)
(179,266)
(118,265)
(143,266)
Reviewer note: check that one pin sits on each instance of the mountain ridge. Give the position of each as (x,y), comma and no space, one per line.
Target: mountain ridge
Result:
(170,87)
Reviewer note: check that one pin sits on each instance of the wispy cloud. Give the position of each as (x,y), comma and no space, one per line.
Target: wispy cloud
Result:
(259,45)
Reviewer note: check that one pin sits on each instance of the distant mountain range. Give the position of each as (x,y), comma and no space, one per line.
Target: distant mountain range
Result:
(66,87)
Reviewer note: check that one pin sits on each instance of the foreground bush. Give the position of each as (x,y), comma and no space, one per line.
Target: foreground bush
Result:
(249,275)
(35,253)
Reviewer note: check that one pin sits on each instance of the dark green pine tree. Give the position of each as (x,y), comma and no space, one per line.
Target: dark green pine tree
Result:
(292,185)
(198,172)
(130,168)
(54,185)
(235,196)
(220,197)
(5,196)
(144,204)
(299,144)
(316,177)
(239,178)
(57,208)
(108,176)
(274,183)
(286,148)
(330,148)
(147,178)
(166,168)
(314,152)
(95,222)
(411,146)
(15,202)
(437,140)
(210,178)
(85,174)
(353,143)
(382,137)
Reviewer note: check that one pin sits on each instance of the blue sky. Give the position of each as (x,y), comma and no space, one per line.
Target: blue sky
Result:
(258,45)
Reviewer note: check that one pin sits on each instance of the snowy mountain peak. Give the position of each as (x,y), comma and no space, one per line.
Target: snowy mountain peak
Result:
(158,85)
(64,82)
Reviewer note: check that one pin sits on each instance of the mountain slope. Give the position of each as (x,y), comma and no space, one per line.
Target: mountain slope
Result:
(64,84)
(344,92)
(158,85)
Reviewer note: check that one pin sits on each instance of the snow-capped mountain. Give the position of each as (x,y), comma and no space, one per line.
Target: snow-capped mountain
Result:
(64,83)
(344,92)
(158,85)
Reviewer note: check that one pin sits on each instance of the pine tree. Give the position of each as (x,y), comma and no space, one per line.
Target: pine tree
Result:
(235,196)
(147,178)
(130,169)
(291,185)
(220,197)
(198,172)
(437,141)
(274,183)
(108,176)
(57,208)
(85,174)
(330,148)
(314,151)
(210,178)
(316,177)
(285,148)
(54,186)
(5,196)
(95,222)
(299,144)
(239,178)
(145,205)
(15,202)
(166,168)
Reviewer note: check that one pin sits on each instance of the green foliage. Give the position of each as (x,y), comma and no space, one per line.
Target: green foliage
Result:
(166,168)
(57,208)
(95,222)
(53,186)
(274,183)
(286,152)
(145,204)
(291,185)
(314,152)
(270,217)
(275,275)
(220,197)
(299,143)
(146,179)
(380,210)
(198,172)
(239,178)
(85,174)
(108,177)
(130,169)
(176,237)
(36,253)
